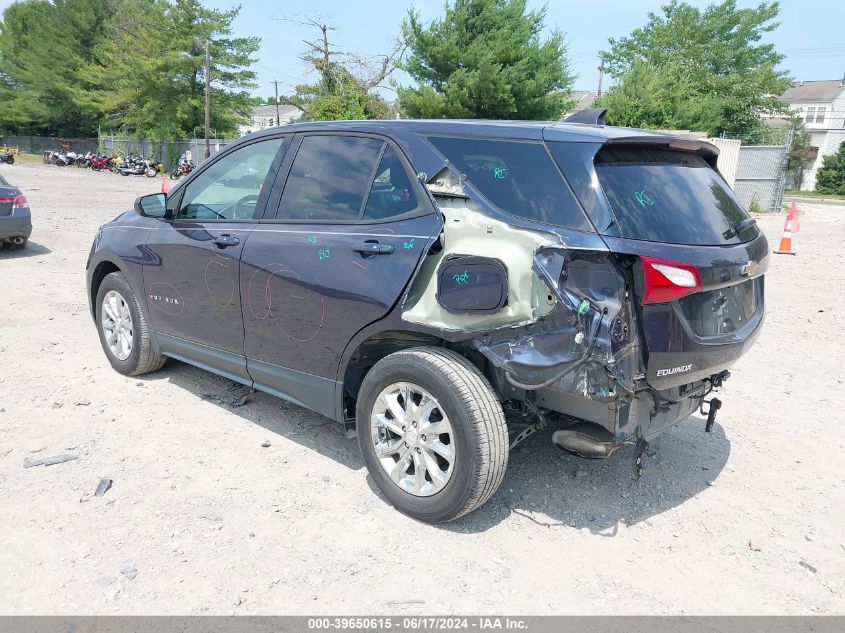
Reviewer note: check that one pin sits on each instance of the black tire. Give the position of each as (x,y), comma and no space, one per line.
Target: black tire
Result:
(175,175)
(144,358)
(17,247)
(11,160)
(475,413)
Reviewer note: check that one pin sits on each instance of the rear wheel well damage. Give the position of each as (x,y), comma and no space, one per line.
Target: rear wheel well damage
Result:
(101,271)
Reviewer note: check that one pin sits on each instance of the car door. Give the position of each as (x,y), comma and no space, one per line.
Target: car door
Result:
(193,285)
(330,257)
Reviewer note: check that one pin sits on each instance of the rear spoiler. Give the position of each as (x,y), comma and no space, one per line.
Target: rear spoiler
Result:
(590,116)
(707,151)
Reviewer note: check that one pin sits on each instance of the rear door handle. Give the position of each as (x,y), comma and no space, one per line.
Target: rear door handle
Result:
(226,240)
(372,247)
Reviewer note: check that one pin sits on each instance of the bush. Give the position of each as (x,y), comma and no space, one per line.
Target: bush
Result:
(830,178)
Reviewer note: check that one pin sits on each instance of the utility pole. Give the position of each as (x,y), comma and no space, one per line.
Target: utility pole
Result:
(276,84)
(207,98)
(601,76)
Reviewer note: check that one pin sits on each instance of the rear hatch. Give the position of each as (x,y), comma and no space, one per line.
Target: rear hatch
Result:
(699,258)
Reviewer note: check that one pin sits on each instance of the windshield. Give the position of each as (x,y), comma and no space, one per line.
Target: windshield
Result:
(662,195)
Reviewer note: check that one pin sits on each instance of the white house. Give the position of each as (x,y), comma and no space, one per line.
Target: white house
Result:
(264,116)
(821,105)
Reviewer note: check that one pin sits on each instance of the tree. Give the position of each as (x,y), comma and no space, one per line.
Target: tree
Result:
(68,66)
(346,84)
(42,47)
(485,59)
(797,151)
(148,75)
(830,178)
(709,62)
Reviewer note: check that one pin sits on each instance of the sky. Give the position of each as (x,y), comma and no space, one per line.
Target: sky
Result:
(811,34)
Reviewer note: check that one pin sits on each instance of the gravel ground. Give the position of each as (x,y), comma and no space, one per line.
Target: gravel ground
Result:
(203,518)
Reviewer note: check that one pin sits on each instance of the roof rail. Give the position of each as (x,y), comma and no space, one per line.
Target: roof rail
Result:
(592,116)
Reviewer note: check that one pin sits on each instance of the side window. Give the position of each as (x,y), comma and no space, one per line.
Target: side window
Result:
(330,178)
(391,193)
(518,177)
(228,189)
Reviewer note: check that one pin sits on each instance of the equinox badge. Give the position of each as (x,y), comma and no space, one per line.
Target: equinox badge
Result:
(674,370)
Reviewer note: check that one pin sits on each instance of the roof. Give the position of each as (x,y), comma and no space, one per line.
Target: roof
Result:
(583,98)
(537,130)
(286,110)
(410,134)
(814,91)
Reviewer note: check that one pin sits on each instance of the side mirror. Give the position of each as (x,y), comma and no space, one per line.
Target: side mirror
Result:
(153,205)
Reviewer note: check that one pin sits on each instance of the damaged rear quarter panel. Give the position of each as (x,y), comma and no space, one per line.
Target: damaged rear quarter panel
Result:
(566,325)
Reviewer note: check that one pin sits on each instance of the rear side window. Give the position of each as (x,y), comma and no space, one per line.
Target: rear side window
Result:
(391,193)
(669,196)
(330,178)
(518,177)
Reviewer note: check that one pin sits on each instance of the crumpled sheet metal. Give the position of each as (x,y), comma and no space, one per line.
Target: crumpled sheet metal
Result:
(588,345)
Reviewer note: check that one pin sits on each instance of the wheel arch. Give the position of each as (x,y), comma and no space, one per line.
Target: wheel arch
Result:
(367,353)
(100,272)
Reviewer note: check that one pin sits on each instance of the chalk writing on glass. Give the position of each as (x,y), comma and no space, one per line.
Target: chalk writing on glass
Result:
(643,199)
(499,173)
(463,278)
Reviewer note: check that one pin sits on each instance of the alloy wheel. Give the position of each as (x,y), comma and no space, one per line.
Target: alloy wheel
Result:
(116,320)
(413,439)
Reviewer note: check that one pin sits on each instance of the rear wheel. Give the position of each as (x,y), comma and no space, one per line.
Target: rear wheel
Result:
(432,433)
(123,329)
(17,246)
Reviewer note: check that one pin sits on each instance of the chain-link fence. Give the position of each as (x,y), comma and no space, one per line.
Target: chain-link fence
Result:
(761,175)
(167,152)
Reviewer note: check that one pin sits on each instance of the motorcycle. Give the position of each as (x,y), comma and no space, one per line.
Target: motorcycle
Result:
(99,163)
(137,166)
(183,168)
(7,158)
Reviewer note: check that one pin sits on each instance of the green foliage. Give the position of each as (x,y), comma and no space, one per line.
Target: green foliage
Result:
(136,65)
(830,178)
(43,45)
(697,69)
(485,59)
(798,151)
(346,82)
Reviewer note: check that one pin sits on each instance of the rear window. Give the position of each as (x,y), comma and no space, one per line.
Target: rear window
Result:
(668,196)
(518,177)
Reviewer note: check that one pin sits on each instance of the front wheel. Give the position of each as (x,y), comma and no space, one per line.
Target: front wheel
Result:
(123,329)
(175,175)
(150,172)
(432,433)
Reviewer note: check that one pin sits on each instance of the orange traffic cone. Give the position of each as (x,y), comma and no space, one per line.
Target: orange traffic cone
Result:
(165,184)
(790,226)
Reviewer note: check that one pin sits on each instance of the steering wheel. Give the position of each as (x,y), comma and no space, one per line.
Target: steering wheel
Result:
(244,208)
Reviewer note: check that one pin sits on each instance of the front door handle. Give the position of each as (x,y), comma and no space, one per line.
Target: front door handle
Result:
(373,247)
(225,240)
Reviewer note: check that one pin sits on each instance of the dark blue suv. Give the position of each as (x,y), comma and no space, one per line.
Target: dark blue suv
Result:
(445,288)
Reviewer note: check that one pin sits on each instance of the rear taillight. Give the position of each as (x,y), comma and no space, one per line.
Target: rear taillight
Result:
(666,281)
(17,201)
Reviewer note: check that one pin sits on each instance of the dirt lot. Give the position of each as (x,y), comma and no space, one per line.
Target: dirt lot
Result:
(202,519)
